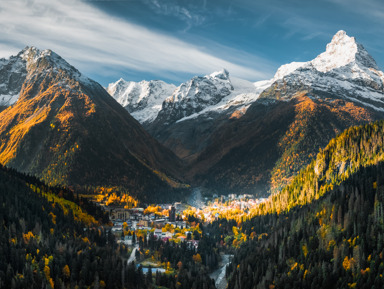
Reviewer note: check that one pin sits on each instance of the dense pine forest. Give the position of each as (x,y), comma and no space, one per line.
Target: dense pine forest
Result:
(324,230)
(346,154)
(335,242)
(48,241)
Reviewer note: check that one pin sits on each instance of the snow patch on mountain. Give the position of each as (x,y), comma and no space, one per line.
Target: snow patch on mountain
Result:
(142,99)
(208,90)
(287,69)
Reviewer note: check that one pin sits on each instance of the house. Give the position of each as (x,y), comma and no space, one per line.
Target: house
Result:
(194,243)
(182,238)
(165,239)
(144,223)
(157,233)
(159,222)
(118,213)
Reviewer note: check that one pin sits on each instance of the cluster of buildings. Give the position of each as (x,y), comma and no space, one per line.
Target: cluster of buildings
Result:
(135,219)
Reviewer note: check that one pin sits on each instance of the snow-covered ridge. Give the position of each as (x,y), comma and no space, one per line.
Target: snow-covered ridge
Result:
(216,92)
(242,96)
(142,99)
(17,69)
(287,69)
(201,94)
(53,62)
(208,89)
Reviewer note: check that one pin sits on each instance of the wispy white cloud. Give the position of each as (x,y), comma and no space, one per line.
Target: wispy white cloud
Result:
(92,40)
(307,28)
(193,13)
(367,8)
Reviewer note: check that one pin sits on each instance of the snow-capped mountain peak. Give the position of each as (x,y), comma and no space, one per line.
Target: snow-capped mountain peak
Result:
(142,99)
(49,61)
(341,51)
(344,70)
(221,74)
(207,89)
(29,61)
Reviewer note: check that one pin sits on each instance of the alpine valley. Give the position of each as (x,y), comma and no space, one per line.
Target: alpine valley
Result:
(216,183)
(238,136)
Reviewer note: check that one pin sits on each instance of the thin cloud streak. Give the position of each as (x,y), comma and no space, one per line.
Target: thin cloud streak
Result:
(86,36)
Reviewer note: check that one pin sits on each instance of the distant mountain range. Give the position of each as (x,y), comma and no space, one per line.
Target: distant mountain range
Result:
(217,132)
(240,136)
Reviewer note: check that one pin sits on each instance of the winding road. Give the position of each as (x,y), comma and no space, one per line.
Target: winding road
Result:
(219,274)
(133,255)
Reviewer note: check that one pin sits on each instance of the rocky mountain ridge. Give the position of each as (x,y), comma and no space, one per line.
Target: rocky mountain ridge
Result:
(67,130)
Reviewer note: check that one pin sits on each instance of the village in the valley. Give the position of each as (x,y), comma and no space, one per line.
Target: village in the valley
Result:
(174,222)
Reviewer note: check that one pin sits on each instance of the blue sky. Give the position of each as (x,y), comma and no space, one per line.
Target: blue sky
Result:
(174,40)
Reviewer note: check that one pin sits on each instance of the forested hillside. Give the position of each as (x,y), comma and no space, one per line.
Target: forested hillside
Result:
(335,242)
(48,241)
(324,230)
(346,154)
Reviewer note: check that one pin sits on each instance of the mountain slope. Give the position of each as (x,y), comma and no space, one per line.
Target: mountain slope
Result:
(66,129)
(197,107)
(312,234)
(348,153)
(272,141)
(48,242)
(333,242)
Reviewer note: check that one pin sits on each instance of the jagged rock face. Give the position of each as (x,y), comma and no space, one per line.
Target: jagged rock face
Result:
(195,95)
(144,99)
(12,75)
(67,130)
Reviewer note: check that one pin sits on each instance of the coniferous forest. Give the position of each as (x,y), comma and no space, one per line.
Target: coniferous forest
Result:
(335,242)
(47,241)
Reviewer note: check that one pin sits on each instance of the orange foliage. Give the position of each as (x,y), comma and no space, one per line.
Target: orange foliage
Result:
(197,258)
(27,237)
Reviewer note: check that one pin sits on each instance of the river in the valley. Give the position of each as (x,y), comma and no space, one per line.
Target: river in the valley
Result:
(219,274)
